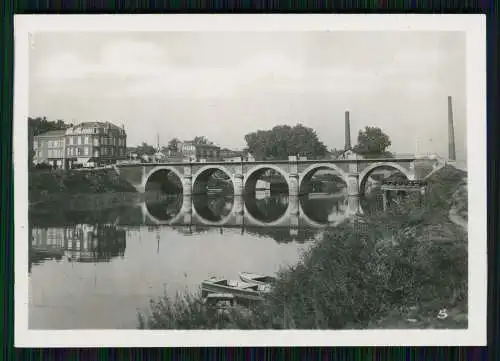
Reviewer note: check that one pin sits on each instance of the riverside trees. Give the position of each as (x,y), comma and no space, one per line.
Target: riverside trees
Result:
(284,140)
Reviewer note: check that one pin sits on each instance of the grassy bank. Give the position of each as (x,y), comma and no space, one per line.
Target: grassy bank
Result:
(392,270)
(50,184)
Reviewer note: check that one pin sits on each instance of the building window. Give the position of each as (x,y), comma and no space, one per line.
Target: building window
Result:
(86,151)
(96,141)
(87,139)
(96,153)
(35,145)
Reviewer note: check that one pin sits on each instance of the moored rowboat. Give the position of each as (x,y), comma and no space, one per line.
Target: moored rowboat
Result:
(256,279)
(239,289)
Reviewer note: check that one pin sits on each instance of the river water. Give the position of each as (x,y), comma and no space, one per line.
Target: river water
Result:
(95,270)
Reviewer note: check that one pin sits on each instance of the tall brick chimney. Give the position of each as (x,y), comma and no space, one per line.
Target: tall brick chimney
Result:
(451,132)
(347,131)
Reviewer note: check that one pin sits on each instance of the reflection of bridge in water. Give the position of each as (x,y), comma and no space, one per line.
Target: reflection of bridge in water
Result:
(245,211)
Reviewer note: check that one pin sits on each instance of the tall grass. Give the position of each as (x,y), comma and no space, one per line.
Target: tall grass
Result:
(390,270)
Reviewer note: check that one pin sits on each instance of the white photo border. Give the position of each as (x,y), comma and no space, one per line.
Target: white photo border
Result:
(474,26)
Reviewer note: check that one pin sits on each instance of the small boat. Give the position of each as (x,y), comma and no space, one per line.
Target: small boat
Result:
(241,290)
(256,279)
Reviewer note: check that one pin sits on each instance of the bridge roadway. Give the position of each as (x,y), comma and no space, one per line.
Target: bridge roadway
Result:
(297,173)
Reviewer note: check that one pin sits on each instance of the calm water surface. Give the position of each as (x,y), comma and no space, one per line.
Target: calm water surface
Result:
(93,270)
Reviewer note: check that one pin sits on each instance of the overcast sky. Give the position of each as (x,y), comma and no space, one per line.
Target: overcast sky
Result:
(225,85)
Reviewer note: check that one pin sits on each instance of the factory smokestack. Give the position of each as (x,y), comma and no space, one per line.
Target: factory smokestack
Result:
(347,131)
(451,132)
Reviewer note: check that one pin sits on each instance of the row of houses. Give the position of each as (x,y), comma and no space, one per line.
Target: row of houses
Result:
(88,143)
(191,151)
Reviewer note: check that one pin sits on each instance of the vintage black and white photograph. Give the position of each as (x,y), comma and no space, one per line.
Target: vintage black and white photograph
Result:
(219,178)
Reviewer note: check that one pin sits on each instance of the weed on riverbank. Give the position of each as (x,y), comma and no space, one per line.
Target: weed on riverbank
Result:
(406,268)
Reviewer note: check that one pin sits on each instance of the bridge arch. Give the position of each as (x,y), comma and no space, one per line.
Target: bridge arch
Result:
(148,215)
(254,172)
(208,170)
(365,174)
(206,222)
(310,221)
(307,173)
(157,169)
(281,221)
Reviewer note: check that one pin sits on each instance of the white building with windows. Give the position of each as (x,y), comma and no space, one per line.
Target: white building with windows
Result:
(88,142)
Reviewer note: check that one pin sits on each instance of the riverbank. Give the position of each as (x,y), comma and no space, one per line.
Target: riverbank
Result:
(406,268)
(47,185)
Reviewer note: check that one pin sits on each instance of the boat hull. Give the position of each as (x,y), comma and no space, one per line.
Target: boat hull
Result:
(254,279)
(252,295)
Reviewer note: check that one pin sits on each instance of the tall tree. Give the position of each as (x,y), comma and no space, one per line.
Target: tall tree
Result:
(200,140)
(373,143)
(41,125)
(284,140)
(145,149)
(173,145)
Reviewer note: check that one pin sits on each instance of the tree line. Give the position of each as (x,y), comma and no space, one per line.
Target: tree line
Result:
(284,140)
(41,125)
(278,142)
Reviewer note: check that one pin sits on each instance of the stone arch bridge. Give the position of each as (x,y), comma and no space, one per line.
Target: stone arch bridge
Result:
(297,173)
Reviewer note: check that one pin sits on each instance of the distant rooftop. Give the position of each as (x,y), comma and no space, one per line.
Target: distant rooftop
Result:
(95,124)
(200,145)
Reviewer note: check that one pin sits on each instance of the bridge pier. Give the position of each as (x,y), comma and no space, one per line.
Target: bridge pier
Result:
(187,208)
(239,212)
(238,184)
(293,178)
(293,182)
(293,204)
(238,204)
(187,181)
(187,186)
(353,194)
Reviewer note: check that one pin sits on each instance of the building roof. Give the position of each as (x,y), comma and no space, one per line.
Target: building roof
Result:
(190,142)
(52,133)
(95,124)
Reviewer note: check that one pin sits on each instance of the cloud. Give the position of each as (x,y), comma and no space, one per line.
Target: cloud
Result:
(146,67)
(120,59)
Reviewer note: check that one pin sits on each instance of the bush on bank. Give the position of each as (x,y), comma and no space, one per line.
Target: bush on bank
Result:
(392,270)
(44,183)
